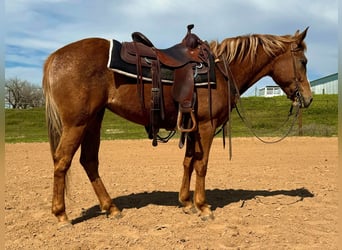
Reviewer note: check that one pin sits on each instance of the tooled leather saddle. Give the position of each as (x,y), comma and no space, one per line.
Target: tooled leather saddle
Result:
(185,60)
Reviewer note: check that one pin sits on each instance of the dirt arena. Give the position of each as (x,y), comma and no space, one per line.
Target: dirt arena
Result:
(278,196)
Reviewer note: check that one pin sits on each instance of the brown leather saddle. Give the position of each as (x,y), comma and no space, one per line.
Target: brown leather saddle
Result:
(182,58)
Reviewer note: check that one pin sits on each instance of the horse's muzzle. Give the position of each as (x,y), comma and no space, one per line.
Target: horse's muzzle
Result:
(306,102)
(302,101)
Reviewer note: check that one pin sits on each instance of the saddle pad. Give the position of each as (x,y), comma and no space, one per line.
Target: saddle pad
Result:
(116,64)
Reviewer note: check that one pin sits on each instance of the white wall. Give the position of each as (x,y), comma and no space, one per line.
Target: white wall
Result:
(326,88)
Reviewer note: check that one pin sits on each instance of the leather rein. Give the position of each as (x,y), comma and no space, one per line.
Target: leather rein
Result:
(230,80)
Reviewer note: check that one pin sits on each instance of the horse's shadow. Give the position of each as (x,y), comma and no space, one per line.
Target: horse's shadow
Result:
(216,198)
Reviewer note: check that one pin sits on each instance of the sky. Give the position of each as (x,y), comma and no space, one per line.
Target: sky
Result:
(36,28)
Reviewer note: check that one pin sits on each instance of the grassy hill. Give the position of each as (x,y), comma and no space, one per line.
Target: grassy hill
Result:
(266,115)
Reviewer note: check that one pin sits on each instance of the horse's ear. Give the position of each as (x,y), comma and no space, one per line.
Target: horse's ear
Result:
(301,36)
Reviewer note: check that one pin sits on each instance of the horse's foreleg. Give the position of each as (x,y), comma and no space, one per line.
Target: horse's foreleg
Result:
(62,157)
(184,193)
(89,160)
(199,195)
(203,143)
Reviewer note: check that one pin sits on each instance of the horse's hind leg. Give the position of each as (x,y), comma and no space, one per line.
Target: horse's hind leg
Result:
(62,157)
(89,160)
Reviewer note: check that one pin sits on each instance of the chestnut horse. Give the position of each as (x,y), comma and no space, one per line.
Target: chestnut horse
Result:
(79,87)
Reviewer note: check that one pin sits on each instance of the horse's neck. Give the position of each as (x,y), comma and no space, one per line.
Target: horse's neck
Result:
(247,73)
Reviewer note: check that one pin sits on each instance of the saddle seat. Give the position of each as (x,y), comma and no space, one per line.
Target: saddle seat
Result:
(173,57)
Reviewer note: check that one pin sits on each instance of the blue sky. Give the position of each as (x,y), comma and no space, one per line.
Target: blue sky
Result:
(35,28)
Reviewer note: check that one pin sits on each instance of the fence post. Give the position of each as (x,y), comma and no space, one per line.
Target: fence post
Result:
(300,123)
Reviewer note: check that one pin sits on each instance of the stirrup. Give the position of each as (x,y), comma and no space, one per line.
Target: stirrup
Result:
(180,122)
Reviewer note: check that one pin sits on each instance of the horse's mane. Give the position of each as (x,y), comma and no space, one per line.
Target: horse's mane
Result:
(241,47)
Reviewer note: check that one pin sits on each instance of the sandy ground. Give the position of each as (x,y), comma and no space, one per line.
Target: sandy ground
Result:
(279,196)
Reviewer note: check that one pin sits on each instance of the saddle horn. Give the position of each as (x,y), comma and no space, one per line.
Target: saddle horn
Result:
(191,40)
(190,27)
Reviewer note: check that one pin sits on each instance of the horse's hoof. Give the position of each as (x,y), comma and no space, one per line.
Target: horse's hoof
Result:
(62,225)
(208,217)
(190,210)
(117,215)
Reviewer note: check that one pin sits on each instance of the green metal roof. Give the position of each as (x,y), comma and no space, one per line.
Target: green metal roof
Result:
(325,79)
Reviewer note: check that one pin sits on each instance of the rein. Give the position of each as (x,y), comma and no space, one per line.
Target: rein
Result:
(249,126)
(230,79)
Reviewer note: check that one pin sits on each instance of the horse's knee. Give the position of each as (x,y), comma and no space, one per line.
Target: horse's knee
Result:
(201,169)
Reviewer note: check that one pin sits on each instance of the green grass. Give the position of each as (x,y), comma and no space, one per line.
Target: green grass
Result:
(267,115)
(115,127)
(30,126)
(321,119)
(27,125)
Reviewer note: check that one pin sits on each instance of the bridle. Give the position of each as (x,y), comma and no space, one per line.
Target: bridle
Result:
(297,96)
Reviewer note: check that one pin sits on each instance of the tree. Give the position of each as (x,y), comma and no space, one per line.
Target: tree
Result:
(20,94)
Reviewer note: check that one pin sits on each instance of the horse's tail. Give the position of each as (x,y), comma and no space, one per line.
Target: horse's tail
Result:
(51,111)
(52,116)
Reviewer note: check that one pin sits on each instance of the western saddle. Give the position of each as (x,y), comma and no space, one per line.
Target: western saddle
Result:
(182,59)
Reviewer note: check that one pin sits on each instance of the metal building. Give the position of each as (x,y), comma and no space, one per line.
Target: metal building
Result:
(325,85)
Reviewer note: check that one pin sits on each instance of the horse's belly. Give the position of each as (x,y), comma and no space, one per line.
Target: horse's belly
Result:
(127,103)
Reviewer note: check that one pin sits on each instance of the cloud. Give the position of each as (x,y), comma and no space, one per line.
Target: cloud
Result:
(38,27)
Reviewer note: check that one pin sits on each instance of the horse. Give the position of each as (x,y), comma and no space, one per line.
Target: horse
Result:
(79,87)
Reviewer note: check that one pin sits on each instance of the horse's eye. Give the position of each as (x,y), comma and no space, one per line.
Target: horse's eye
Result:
(304,62)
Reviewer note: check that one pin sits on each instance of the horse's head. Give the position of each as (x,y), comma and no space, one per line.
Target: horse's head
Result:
(289,71)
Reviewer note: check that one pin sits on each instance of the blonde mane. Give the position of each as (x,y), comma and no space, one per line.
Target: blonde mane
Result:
(241,47)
